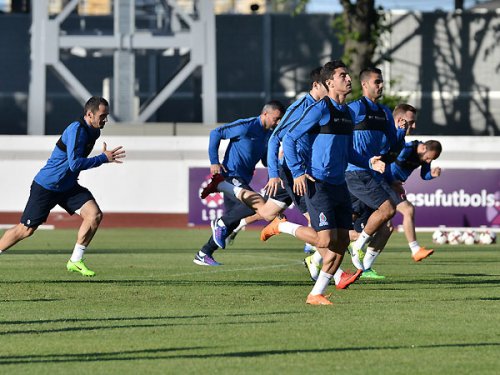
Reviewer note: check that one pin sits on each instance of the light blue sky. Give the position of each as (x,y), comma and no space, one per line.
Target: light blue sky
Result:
(333,6)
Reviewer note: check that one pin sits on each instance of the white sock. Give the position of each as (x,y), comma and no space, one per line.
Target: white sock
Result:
(288,228)
(414,247)
(337,275)
(317,258)
(356,262)
(77,253)
(361,241)
(229,189)
(241,225)
(370,257)
(322,283)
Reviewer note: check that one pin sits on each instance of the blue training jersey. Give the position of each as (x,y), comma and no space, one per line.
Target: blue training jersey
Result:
(407,161)
(247,145)
(293,113)
(330,127)
(70,157)
(374,130)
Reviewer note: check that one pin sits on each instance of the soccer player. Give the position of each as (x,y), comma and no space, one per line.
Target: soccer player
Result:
(247,145)
(374,129)
(404,119)
(414,155)
(279,188)
(330,125)
(57,183)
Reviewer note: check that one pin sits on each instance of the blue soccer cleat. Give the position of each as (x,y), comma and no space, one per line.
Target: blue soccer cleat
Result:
(219,233)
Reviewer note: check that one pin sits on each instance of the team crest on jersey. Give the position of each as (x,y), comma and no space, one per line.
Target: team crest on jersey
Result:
(322,220)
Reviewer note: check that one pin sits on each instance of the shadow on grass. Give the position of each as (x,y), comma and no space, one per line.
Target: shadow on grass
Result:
(163,353)
(32,300)
(70,320)
(102,251)
(149,282)
(125,326)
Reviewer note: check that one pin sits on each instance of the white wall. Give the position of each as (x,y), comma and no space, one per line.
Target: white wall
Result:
(154,175)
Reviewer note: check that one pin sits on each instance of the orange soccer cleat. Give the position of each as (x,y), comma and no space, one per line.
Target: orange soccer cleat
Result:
(318,299)
(348,278)
(271,229)
(421,254)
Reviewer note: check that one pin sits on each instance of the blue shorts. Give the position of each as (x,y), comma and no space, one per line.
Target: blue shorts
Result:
(287,178)
(397,198)
(41,201)
(368,189)
(281,196)
(329,206)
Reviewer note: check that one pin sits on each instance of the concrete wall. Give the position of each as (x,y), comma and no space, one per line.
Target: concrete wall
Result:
(154,176)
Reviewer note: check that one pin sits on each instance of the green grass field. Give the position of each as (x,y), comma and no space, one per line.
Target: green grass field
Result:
(151,310)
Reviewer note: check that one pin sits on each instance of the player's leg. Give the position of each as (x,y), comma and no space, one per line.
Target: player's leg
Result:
(241,226)
(80,200)
(14,235)
(298,201)
(233,187)
(374,194)
(376,246)
(234,210)
(36,212)
(408,211)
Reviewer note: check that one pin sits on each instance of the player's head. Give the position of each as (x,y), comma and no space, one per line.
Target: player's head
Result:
(318,90)
(335,77)
(271,114)
(430,151)
(96,112)
(405,117)
(372,83)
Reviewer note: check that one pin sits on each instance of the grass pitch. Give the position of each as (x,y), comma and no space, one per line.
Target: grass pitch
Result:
(150,310)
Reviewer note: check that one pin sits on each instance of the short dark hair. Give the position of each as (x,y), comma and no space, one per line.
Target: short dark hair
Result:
(366,72)
(315,76)
(329,68)
(273,105)
(402,108)
(93,104)
(435,146)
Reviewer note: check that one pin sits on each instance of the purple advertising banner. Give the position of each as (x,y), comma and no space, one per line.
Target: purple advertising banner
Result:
(458,198)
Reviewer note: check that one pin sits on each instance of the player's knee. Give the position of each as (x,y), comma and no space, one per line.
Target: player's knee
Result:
(388,211)
(323,243)
(95,218)
(25,232)
(98,217)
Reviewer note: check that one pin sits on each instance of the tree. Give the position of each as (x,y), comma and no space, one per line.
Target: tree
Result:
(359,28)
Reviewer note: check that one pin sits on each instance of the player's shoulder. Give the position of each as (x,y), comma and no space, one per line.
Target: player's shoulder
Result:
(356,105)
(240,122)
